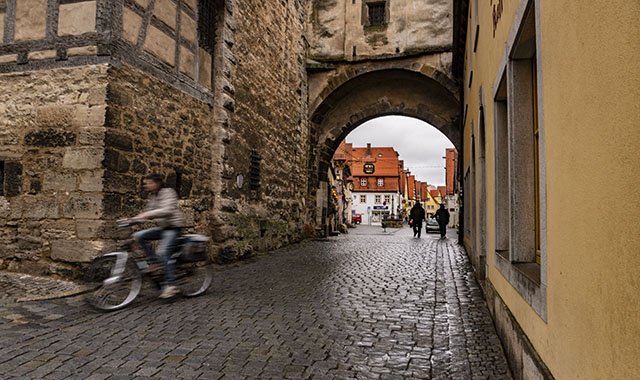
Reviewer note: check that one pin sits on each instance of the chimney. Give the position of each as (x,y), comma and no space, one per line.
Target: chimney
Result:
(368,149)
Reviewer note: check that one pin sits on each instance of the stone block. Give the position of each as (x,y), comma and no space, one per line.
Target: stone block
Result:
(8,58)
(88,229)
(82,51)
(131,24)
(75,251)
(83,158)
(77,18)
(54,182)
(2,14)
(5,208)
(50,138)
(54,116)
(118,141)
(40,207)
(188,28)
(31,20)
(91,181)
(82,206)
(57,229)
(165,11)
(42,54)
(205,67)
(91,136)
(97,115)
(187,62)
(119,182)
(160,45)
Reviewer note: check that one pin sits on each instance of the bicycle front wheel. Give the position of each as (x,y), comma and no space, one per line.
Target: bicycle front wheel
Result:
(112,289)
(196,277)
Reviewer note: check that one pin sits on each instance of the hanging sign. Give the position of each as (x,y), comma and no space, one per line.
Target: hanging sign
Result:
(369,168)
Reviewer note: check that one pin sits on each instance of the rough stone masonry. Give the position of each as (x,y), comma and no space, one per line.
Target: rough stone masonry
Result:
(96,94)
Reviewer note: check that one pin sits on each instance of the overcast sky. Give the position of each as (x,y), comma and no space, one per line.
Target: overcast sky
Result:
(420,145)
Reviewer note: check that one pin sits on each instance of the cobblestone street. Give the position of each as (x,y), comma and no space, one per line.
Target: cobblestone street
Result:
(367,305)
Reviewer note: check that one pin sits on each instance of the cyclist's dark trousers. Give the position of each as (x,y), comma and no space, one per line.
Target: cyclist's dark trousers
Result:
(167,237)
(417,229)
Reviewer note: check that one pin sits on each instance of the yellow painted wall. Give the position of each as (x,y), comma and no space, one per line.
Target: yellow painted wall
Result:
(591,118)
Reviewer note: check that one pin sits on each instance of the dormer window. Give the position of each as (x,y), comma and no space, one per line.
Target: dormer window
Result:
(363,182)
(380,182)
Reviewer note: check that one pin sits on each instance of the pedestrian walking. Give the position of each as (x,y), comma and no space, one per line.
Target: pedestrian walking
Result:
(442,216)
(417,216)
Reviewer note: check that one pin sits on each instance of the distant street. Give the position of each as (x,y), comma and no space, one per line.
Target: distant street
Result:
(367,305)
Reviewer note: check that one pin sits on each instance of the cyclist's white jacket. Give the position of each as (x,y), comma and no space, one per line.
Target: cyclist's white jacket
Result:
(163,208)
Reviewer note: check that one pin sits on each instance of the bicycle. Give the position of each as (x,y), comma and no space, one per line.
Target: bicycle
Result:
(115,279)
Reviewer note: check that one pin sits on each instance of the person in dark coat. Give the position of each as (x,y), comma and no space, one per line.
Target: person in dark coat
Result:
(417,216)
(442,216)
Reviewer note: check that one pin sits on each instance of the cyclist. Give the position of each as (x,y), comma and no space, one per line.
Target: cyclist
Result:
(162,206)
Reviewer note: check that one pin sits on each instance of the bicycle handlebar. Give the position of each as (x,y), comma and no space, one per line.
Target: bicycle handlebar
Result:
(128,222)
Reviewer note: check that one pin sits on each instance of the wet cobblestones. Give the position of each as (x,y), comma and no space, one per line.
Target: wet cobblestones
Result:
(368,305)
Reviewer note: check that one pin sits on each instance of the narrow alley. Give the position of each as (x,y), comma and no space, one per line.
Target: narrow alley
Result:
(367,305)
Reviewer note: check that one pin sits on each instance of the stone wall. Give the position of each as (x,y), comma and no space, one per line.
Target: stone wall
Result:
(152,128)
(51,151)
(263,191)
(339,29)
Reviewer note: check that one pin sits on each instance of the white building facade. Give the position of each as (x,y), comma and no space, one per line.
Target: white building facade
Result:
(374,206)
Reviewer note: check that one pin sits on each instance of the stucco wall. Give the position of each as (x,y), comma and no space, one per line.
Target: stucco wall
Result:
(590,100)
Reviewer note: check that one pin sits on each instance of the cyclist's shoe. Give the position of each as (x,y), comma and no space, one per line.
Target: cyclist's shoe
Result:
(168,291)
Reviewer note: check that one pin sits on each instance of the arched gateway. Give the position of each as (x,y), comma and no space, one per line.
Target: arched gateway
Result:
(375,58)
(348,95)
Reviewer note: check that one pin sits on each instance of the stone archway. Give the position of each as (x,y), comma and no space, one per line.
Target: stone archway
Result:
(361,93)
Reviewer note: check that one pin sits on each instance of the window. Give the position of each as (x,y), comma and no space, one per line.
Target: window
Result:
(387,199)
(378,199)
(254,170)
(380,182)
(376,13)
(363,198)
(206,25)
(519,176)
(363,182)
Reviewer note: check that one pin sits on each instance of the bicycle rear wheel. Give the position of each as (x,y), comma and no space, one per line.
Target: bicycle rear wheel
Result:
(112,291)
(195,277)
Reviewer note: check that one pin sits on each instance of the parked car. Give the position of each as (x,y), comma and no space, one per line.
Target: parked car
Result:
(356,218)
(432,225)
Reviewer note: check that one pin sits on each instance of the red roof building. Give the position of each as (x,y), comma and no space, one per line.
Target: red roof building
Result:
(375,169)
